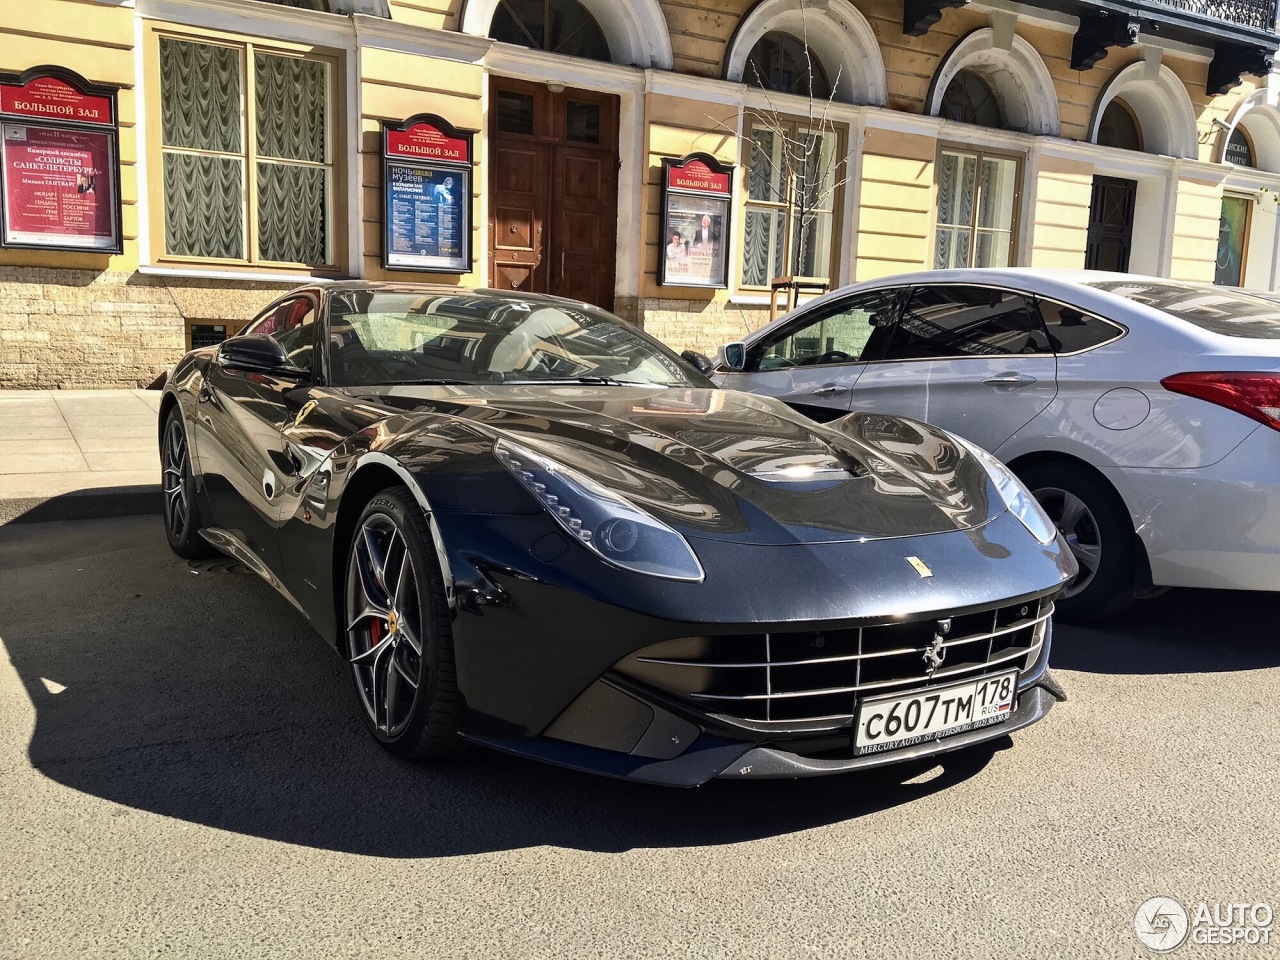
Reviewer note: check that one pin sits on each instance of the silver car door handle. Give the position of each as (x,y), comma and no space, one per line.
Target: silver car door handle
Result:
(829,389)
(1010,380)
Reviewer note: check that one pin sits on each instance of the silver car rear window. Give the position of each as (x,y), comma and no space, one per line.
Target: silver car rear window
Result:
(1231,313)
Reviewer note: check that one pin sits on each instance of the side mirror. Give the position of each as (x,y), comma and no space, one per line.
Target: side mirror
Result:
(735,355)
(256,353)
(699,360)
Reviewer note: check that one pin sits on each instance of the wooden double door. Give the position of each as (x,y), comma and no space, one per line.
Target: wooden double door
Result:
(553,191)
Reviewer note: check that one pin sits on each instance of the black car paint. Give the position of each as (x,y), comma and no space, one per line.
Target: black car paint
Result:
(536,619)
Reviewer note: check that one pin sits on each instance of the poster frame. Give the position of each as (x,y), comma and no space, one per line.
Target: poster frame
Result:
(110,129)
(461,167)
(720,199)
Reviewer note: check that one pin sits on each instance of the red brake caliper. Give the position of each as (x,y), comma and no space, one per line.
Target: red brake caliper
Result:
(375,633)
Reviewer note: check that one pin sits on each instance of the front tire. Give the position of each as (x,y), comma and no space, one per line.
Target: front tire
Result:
(398,639)
(182,519)
(1093,520)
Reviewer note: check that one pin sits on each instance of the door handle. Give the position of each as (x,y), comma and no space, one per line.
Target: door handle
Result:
(829,389)
(1010,380)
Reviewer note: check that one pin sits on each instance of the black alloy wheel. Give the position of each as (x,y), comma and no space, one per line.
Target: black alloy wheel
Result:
(1093,521)
(399,642)
(181,511)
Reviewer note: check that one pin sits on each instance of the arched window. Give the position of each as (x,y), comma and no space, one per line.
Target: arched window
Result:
(782,62)
(556,26)
(970,99)
(1119,127)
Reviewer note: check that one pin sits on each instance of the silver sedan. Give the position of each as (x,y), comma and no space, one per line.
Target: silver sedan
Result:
(1143,413)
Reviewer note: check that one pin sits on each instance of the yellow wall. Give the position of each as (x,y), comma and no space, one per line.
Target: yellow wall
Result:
(1060,215)
(1195,230)
(95,41)
(433,14)
(395,86)
(895,212)
(700,31)
(675,127)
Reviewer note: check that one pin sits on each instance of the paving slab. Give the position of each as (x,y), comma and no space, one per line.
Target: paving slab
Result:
(78,454)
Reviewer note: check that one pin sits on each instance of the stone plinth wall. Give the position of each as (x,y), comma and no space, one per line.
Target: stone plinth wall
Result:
(64,329)
(695,324)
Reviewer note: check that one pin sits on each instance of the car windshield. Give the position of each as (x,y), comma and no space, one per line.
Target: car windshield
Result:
(1232,313)
(385,337)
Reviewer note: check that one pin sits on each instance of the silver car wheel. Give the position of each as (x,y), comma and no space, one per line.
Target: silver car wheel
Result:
(1078,526)
(174,478)
(384,635)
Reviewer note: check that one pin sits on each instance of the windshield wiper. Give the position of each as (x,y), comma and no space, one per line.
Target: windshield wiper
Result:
(428,382)
(590,381)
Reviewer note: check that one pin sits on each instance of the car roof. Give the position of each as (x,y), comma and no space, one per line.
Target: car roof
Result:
(1076,287)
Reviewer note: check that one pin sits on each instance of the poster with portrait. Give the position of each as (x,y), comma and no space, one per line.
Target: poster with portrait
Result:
(697,191)
(59,175)
(426,196)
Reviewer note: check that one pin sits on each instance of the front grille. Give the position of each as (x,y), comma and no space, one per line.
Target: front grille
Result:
(812,679)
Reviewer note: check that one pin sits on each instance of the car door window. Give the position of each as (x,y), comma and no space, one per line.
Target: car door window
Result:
(1071,330)
(840,332)
(292,325)
(963,321)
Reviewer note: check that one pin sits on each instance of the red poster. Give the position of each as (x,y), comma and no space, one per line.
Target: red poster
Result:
(58,187)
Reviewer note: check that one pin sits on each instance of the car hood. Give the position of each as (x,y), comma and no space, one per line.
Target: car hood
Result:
(711,463)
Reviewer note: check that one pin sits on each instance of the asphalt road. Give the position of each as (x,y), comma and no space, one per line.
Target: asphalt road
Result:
(183,774)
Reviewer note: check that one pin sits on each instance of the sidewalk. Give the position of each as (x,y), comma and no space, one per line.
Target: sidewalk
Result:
(78,454)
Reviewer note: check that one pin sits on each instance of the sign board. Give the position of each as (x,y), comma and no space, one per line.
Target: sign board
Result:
(59,163)
(697,192)
(1239,149)
(426,187)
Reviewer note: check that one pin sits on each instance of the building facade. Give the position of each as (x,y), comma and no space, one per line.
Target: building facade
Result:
(245,144)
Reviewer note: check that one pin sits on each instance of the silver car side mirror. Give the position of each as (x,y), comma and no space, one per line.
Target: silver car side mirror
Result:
(735,355)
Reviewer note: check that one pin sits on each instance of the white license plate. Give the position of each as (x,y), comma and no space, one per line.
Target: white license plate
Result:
(903,719)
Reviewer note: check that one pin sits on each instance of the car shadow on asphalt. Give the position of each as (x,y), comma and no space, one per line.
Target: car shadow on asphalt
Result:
(194,692)
(1182,631)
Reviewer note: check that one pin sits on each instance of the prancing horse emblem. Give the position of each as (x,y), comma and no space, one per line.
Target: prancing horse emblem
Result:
(935,653)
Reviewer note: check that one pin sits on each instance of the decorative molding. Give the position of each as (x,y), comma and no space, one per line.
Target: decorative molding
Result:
(251,18)
(1230,62)
(636,30)
(1018,77)
(423,41)
(838,34)
(919,15)
(1163,108)
(1098,33)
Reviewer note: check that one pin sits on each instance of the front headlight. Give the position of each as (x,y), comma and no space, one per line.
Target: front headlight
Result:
(1015,496)
(609,526)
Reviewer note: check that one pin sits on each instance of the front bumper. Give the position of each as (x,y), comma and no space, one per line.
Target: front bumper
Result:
(708,757)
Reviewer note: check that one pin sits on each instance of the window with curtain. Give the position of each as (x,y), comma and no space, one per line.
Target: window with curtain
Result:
(247,157)
(977,196)
(792,181)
